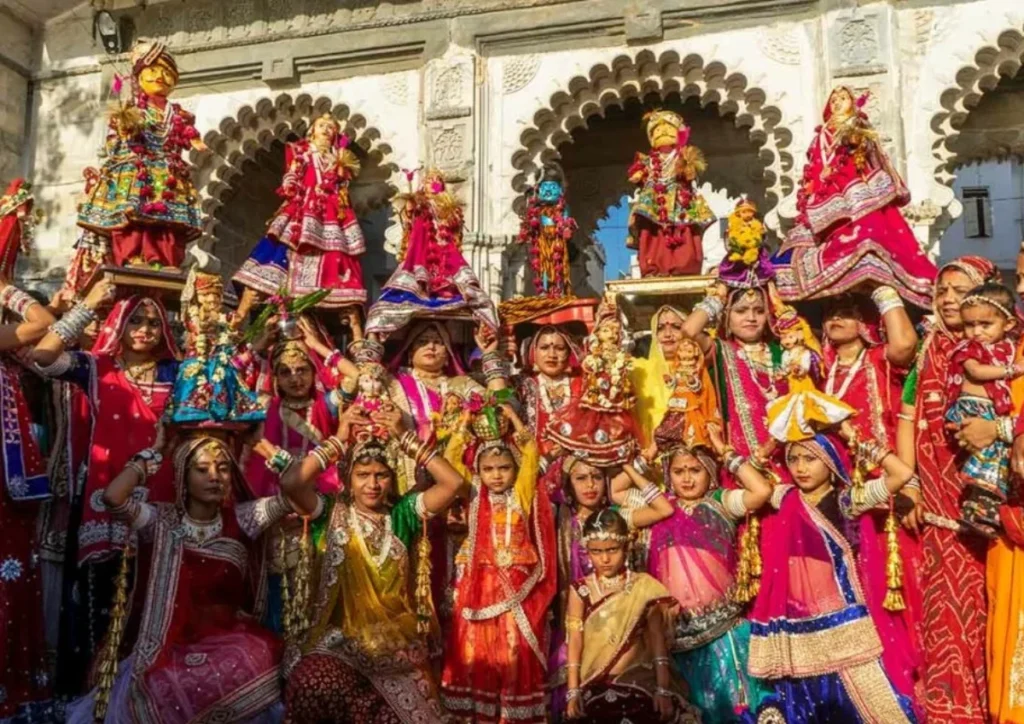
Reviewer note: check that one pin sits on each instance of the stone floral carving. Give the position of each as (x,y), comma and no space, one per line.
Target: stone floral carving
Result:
(518,72)
(448,87)
(859,42)
(924,212)
(448,146)
(396,89)
(781,44)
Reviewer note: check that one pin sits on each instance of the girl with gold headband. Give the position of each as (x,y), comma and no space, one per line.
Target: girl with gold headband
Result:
(979,381)
(619,626)
(496,650)
(580,489)
(694,554)
(314,240)
(812,632)
(365,653)
(200,646)
(142,198)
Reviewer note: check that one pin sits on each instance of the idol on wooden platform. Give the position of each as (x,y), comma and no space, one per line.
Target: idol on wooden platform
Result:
(142,198)
(547,228)
(668,215)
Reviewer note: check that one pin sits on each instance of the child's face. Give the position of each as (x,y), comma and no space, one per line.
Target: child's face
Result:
(497,471)
(808,470)
(985,323)
(609,333)
(608,557)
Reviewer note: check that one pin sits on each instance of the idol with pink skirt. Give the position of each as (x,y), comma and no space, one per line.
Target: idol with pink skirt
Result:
(314,240)
(432,278)
(849,229)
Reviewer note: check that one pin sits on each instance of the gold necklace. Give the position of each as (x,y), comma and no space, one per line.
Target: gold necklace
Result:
(813,497)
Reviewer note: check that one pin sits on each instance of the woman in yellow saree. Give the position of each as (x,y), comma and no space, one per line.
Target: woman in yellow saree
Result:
(365,656)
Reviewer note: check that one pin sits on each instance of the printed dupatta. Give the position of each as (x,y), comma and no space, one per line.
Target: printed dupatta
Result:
(25,476)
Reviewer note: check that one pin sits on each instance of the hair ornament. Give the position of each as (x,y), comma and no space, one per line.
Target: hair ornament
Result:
(972,299)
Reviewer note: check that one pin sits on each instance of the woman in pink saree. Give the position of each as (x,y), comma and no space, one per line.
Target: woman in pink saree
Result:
(812,628)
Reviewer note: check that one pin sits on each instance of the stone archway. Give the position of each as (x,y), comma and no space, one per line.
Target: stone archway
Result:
(626,77)
(728,116)
(237,177)
(992,64)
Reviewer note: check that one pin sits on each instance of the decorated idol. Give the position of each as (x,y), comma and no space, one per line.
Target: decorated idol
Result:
(547,229)
(314,240)
(849,228)
(668,216)
(142,198)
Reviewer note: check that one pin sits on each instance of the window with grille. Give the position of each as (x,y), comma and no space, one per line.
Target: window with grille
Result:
(977,213)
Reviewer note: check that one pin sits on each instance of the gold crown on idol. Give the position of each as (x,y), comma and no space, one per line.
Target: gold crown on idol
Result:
(746,203)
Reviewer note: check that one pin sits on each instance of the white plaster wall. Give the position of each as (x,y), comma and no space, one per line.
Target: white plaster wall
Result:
(1005,182)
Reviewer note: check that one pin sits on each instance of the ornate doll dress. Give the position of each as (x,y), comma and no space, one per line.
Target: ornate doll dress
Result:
(314,241)
(849,228)
(142,198)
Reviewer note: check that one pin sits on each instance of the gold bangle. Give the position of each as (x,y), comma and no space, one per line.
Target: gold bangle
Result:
(572,623)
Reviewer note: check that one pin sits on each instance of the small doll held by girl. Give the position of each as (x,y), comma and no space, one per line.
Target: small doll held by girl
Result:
(801,358)
(618,624)
(692,406)
(601,425)
(979,385)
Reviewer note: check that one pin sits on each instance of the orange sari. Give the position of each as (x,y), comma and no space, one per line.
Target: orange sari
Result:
(1005,587)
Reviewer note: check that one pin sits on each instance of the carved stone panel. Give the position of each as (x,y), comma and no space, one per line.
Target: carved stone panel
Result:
(451,148)
(450,87)
(859,42)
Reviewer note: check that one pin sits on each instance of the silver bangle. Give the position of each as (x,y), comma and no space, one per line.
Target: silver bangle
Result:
(1004,426)
(734,463)
(913,484)
(712,307)
(70,327)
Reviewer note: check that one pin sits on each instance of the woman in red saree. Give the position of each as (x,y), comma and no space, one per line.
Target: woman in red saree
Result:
(24,681)
(867,354)
(551,380)
(128,376)
(506,577)
(953,565)
(201,654)
(849,229)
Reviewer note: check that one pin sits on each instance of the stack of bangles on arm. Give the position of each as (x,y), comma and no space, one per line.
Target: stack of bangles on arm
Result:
(872,451)
(494,367)
(70,327)
(328,452)
(733,461)
(413,447)
(16,300)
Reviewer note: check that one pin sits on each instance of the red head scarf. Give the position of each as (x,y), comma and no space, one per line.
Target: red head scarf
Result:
(108,341)
(452,368)
(529,349)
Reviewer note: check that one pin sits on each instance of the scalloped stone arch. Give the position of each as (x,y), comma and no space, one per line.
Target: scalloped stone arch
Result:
(218,171)
(625,77)
(971,82)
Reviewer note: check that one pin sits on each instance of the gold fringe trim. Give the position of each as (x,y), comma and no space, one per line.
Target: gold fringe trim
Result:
(295,614)
(424,597)
(893,564)
(108,659)
(748,569)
